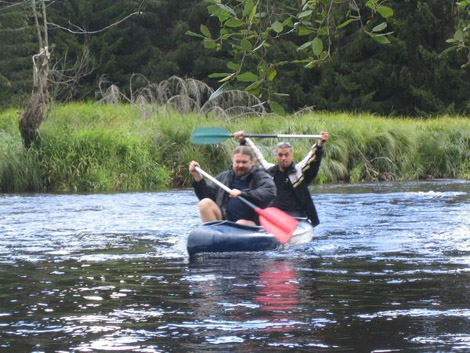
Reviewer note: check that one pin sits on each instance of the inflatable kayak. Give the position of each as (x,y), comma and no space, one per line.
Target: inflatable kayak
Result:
(227,236)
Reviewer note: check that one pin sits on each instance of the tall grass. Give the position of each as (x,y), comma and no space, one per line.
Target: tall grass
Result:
(89,147)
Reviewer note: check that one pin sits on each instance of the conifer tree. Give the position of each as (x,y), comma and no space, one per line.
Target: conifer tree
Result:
(410,76)
(17,38)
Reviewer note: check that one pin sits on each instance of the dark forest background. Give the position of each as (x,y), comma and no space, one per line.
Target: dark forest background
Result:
(412,76)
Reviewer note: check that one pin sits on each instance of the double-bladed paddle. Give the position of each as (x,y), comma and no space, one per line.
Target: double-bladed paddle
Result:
(272,219)
(214,135)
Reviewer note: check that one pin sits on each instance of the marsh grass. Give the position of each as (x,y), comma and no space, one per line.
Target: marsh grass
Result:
(17,166)
(370,148)
(111,147)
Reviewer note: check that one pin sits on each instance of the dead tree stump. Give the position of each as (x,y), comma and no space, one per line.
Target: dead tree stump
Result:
(31,120)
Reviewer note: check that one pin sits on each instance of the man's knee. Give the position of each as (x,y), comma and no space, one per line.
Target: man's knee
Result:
(206,204)
(246,222)
(209,210)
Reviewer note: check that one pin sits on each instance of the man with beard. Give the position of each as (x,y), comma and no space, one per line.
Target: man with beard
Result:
(245,179)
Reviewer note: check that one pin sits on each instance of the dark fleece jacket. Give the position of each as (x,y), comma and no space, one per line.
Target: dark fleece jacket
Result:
(261,190)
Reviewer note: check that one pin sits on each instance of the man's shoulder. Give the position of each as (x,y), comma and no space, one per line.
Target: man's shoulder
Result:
(261,174)
(273,168)
(259,171)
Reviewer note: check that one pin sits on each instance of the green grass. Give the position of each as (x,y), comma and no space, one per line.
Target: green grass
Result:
(89,147)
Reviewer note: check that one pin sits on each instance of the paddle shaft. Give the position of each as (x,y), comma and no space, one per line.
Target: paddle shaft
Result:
(214,135)
(284,136)
(225,187)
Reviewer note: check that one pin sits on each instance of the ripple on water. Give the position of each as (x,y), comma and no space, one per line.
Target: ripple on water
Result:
(389,265)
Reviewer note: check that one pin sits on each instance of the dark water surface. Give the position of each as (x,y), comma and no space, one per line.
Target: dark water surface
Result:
(388,271)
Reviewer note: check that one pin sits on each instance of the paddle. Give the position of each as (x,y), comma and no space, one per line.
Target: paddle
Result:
(272,219)
(213,135)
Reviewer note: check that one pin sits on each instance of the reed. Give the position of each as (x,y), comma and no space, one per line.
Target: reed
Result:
(370,148)
(112,147)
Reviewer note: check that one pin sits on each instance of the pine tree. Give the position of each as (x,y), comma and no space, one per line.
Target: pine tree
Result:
(18,46)
(407,77)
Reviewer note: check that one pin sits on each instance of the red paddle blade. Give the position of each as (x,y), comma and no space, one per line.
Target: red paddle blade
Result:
(277,222)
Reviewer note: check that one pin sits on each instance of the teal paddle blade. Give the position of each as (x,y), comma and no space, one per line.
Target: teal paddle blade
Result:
(209,135)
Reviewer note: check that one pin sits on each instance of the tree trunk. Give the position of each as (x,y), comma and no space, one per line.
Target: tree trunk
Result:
(31,119)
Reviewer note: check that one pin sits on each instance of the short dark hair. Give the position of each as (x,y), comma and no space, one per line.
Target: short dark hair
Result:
(244,150)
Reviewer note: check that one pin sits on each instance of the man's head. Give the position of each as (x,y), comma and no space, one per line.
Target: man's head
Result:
(242,160)
(284,155)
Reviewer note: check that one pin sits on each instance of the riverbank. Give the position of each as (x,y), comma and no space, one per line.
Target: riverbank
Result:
(89,147)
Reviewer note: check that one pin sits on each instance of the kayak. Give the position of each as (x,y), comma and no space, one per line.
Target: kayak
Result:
(227,236)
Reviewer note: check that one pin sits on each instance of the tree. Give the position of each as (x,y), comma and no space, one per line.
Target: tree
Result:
(249,29)
(290,53)
(30,120)
(16,37)
(252,30)
(460,41)
(414,75)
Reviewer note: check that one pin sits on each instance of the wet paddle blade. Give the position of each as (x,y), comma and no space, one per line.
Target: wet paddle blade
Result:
(209,135)
(278,223)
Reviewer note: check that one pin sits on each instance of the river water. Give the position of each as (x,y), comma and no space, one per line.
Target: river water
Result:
(388,271)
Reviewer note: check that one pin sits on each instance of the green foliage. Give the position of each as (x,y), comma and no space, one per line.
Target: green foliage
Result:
(408,77)
(368,148)
(260,46)
(89,147)
(445,148)
(86,149)
(460,40)
(95,160)
(249,31)
(16,69)
(414,75)
(172,141)
(18,171)
(9,121)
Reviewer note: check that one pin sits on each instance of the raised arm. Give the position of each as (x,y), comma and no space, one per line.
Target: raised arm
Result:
(310,165)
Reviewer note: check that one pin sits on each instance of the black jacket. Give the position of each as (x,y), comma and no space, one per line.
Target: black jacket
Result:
(301,189)
(300,176)
(261,190)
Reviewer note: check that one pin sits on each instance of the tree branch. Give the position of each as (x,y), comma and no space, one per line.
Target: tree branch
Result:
(36,22)
(83,31)
(44,19)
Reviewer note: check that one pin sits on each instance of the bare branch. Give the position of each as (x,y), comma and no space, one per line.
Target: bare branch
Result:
(82,31)
(5,7)
(44,18)
(36,21)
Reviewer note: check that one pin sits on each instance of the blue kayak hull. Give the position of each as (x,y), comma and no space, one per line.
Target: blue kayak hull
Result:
(226,236)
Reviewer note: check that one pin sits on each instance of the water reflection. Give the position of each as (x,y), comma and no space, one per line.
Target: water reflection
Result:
(278,287)
(264,305)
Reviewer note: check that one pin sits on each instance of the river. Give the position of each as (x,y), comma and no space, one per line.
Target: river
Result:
(388,271)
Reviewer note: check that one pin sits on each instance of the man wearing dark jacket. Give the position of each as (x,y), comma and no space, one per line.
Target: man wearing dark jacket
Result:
(292,179)
(245,179)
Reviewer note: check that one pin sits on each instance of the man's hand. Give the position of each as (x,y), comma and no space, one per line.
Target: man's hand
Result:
(239,135)
(192,169)
(235,193)
(323,139)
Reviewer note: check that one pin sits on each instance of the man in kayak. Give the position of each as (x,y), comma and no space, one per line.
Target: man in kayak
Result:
(292,179)
(245,179)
